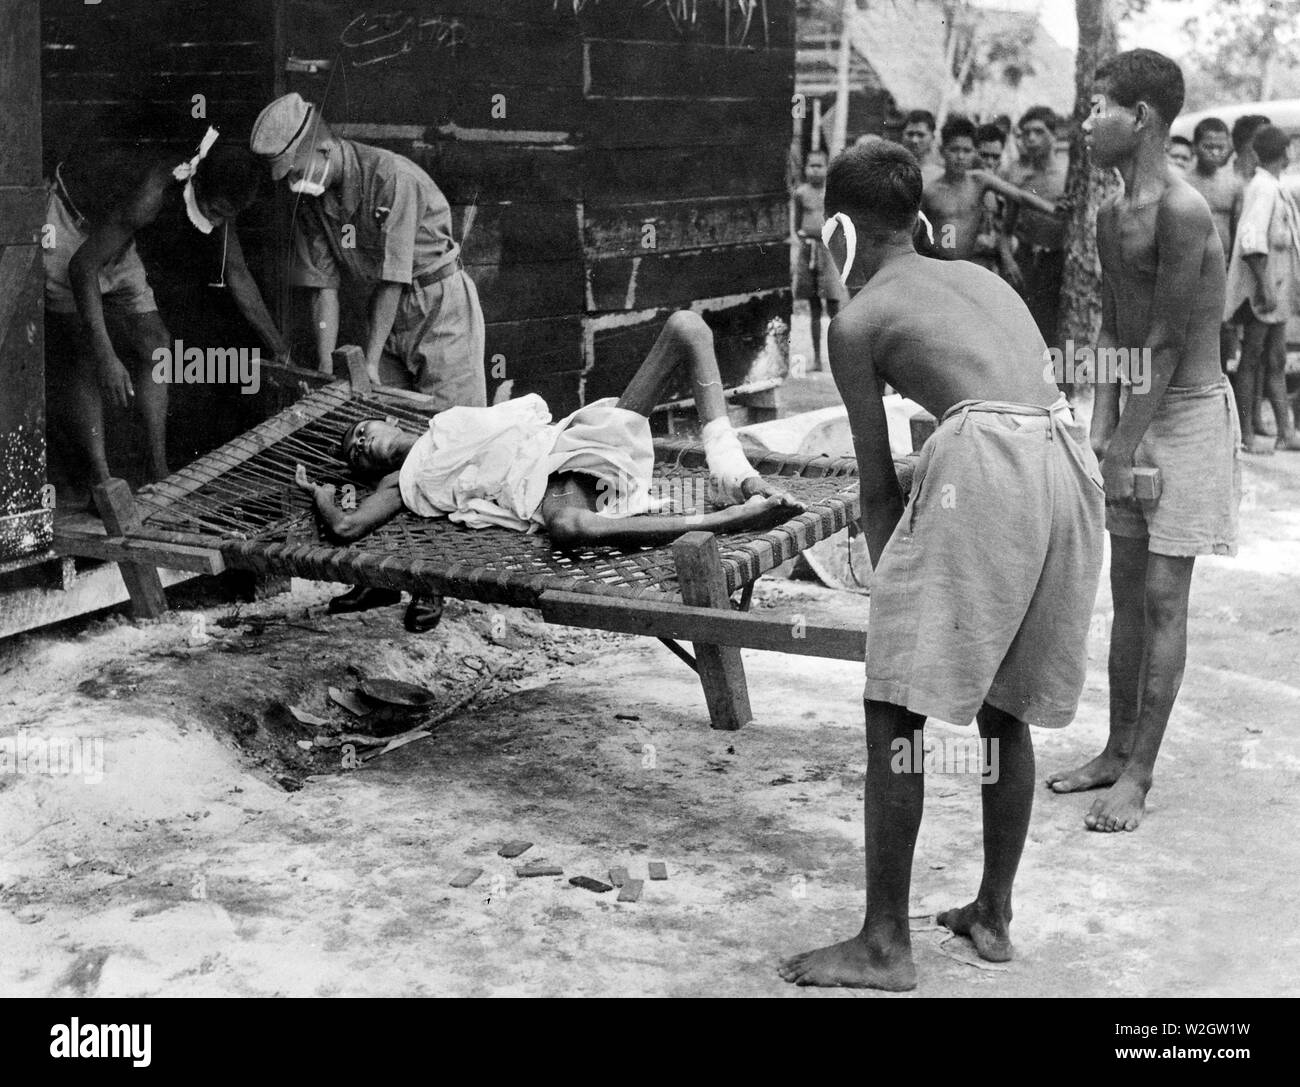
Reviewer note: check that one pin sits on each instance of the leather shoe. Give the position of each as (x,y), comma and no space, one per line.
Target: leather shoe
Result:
(422,614)
(363,598)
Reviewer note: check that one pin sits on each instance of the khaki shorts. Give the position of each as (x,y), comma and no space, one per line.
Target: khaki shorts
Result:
(1195,441)
(437,343)
(985,591)
(123,284)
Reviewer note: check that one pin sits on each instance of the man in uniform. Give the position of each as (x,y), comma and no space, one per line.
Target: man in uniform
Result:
(378,220)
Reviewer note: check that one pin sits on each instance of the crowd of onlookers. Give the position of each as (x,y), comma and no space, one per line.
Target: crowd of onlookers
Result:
(995,194)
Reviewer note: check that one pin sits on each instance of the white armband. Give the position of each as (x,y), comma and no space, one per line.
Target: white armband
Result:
(726,458)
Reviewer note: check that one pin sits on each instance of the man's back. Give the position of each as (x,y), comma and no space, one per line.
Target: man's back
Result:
(945,332)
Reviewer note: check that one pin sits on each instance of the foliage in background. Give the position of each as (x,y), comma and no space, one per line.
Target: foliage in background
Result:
(1244,47)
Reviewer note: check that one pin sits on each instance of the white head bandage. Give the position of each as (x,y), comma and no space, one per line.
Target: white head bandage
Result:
(850,240)
(186,171)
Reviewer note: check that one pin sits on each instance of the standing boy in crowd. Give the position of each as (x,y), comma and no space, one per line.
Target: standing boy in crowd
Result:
(918,137)
(1162,301)
(815,278)
(1264,292)
(1180,153)
(1244,164)
(1038,264)
(954,201)
(1222,190)
(1243,132)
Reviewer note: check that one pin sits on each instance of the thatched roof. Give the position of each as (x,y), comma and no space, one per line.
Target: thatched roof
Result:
(903,42)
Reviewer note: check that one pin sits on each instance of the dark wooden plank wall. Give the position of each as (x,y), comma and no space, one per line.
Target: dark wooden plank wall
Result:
(687,128)
(25,523)
(615,119)
(420,79)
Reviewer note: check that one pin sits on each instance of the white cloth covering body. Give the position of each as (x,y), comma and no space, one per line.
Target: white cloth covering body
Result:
(488,467)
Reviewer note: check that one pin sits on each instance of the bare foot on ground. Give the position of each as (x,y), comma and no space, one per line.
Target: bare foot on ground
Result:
(990,935)
(1097,773)
(1121,808)
(852,963)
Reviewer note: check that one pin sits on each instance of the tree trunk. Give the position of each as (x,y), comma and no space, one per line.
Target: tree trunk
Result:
(1086,185)
(1267,74)
(949,59)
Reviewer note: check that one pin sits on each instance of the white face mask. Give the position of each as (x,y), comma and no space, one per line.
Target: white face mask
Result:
(850,240)
(851,237)
(309,186)
(197,218)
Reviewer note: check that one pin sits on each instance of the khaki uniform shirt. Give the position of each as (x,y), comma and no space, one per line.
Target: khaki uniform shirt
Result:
(400,220)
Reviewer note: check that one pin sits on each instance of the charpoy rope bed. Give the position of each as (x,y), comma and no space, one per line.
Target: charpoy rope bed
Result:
(240,502)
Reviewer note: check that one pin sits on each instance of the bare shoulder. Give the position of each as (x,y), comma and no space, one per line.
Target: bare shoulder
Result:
(853,325)
(854,331)
(1181,206)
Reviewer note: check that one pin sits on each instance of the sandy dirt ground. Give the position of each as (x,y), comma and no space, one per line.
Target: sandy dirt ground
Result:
(217,856)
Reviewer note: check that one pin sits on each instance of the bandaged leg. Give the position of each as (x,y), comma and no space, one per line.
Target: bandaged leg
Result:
(686,339)
(728,465)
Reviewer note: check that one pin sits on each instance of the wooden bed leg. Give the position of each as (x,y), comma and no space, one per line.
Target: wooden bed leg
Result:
(352,359)
(117,509)
(722,673)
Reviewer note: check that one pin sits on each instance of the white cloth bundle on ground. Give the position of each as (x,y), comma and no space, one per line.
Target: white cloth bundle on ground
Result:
(488,467)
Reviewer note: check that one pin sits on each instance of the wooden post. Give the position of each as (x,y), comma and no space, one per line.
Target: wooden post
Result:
(117,508)
(722,673)
(353,359)
(840,130)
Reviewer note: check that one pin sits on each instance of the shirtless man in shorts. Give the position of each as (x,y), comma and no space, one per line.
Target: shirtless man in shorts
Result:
(584,480)
(1215,180)
(97,295)
(984,584)
(1163,290)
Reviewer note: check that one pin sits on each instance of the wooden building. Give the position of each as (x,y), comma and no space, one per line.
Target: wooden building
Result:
(608,161)
(606,165)
(25,515)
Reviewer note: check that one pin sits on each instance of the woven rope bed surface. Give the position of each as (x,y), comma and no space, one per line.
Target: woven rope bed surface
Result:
(241,498)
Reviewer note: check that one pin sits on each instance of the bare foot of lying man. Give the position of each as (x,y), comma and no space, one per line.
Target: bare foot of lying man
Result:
(854,964)
(585,480)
